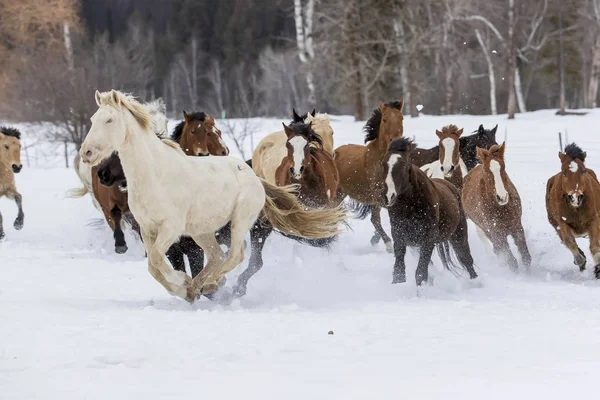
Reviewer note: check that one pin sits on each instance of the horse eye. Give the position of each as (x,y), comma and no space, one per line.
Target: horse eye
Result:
(208,133)
(6,147)
(109,121)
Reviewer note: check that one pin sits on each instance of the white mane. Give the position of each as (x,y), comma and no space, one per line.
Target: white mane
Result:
(158,111)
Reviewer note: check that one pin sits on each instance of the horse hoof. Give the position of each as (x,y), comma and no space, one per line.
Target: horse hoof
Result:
(209,288)
(239,291)
(389,246)
(18,225)
(399,279)
(375,239)
(2,235)
(121,249)
(597,271)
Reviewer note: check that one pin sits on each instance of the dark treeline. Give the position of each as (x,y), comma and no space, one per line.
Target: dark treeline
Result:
(262,57)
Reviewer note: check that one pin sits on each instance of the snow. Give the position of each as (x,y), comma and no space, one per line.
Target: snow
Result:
(79,321)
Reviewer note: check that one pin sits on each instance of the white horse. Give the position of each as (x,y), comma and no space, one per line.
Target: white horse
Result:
(172,195)
(267,156)
(158,114)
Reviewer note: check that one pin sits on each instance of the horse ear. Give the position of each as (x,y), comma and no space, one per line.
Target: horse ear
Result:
(401,104)
(413,146)
(98,98)
(381,107)
(296,116)
(115,97)
(481,131)
(186,116)
(494,130)
(314,112)
(460,132)
(439,134)
(482,154)
(501,150)
(288,131)
(561,155)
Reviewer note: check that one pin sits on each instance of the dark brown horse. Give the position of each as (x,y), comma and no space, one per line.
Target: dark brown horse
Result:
(492,202)
(361,174)
(573,205)
(424,213)
(308,165)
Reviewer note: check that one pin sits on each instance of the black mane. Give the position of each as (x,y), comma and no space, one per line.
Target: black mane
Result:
(178,131)
(483,138)
(372,126)
(575,152)
(8,131)
(400,145)
(300,128)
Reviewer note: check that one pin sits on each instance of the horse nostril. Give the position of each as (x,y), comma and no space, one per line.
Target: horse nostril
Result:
(88,153)
(451,168)
(223,153)
(580,198)
(17,168)
(292,170)
(442,168)
(301,169)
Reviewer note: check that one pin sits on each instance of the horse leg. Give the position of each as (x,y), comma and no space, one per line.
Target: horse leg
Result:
(2,234)
(379,232)
(399,275)
(119,236)
(422,273)
(176,282)
(258,236)
(175,257)
(595,246)
(566,236)
(460,243)
(484,239)
(215,255)
(519,236)
(501,248)
(194,253)
(16,196)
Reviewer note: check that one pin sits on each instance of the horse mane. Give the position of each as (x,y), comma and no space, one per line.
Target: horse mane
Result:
(450,129)
(372,125)
(158,109)
(117,99)
(401,145)
(575,152)
(156,106)
(178,131)
(300,128)
(8,131)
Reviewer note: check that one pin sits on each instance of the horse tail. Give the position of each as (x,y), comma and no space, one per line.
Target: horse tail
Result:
(448,261)
(76,193)
(323,243)
(286,214)
(359,210)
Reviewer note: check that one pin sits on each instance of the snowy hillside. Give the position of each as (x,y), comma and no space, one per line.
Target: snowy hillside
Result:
(78,321)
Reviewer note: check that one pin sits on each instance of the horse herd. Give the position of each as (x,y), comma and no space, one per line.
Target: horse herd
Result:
(185,204)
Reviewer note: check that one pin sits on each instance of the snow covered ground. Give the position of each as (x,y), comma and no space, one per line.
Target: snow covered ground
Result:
(78,321)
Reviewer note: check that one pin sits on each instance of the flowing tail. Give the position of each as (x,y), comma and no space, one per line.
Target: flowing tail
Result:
(359,210)
(286,214)
(76,193)
(449,259)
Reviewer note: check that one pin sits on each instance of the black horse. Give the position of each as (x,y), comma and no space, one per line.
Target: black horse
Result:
(424,213)
(482,138)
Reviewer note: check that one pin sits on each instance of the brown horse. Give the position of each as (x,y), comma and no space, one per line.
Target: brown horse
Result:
(450,160)
(424,213)
(492,202)
(10,164)
(360,169)
(573,205)
(309,165)
(198,136)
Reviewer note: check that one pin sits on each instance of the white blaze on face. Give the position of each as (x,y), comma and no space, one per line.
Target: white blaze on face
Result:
(448,144)
(298,143)
(389,180)
(573,167)
(498,183)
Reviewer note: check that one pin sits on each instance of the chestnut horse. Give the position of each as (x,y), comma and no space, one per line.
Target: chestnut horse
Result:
(573,205)
(361,173)
(483,138)
(308,165)
(320,124)
(451,164)
(10,164)
(424,213)
(492,202)
(198,136)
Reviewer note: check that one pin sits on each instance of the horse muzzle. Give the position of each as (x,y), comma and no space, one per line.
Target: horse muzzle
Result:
(502,200)
(576,200)
(448,171)
(17,168)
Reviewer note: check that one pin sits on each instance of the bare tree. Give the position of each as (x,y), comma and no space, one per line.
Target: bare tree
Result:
(490,66)
(303,17)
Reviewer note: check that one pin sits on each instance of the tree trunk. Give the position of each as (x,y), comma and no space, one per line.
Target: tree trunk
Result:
(304,41)
(491,76)
(592,91)
(404,60)
(512,61)
(561,66)
(194,86)
(519,91)
(68,46)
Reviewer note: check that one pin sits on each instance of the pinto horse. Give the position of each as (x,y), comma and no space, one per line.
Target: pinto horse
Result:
(492,202)
(361,173)
(573,205)
(308,165)
(173,195)
(424,213)
(483,138)
(10,164)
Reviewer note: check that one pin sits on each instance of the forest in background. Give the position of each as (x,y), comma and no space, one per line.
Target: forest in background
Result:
(248,58)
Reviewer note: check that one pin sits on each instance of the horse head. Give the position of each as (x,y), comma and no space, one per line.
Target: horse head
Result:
(396,166)
(10,148)
(494,171)
(449,148)
(573,170)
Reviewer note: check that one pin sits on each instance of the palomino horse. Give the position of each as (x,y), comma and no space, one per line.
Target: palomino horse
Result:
(10,164)
(267,156)
(308,165)
(361,174)
(423,213)
(173,195)
(112,201)
(320,124)
(492,202)
(198,136)
(482,138)
(573,205)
